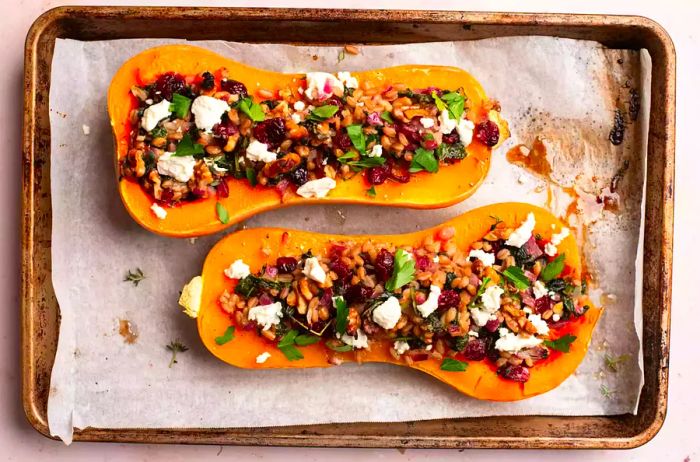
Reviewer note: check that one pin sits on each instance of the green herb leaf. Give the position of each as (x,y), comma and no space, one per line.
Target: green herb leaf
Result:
(613,363)
(158,132)
(605,391)
(517,276)
(222,213)
(347,157)
(357,136)
(454,151)
(404,270)
(322,113)
(336,346)
(252,110)
(135,276)
(371,192)
(286,346)
(366,162)
(288,339)
(227,337)
(455,104)
(341,316)
(291,353)
(423,160)
(305,339)
(438,102)
(553,269)
(186,147)
(386,117)
(453,365)
(480,291)
(251,175)
(180,105)
(562,344)
(175,347)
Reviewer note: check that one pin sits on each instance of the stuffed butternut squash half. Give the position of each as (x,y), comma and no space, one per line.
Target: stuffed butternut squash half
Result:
(203,142)
(492,303)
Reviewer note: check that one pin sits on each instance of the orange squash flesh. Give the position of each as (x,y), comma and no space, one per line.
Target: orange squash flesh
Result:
(480,379)
(450,185)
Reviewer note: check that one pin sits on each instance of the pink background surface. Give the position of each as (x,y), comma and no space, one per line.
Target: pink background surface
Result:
(678,440)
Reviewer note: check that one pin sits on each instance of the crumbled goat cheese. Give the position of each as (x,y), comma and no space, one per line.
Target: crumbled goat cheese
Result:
(262,357)
(523,234)
(86,130)
(348,80)
(266,315)
(436,259)
(556,317)
(551,247)
(258,152)
(491,298)
(539,323)
(480,317)
(446,123)
(512,343)
(207,111)
(427,122)
(359,341)
(237,270)
(159,211)
(488,259)
(431,303)
(191,297)
(539,290)
(299,105)
(473,333)
(401,346)
(322,85)
(154,114)
(181,168)
(388,313)
(314,270)
(296,118)
(316,188)
(376,151)
(465,130)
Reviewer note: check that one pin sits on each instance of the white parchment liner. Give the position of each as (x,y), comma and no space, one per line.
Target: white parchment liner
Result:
(560,89)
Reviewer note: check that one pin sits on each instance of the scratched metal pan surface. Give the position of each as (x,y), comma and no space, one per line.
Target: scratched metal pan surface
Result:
(40,315)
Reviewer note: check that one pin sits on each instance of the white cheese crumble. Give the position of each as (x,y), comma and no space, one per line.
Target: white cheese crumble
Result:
(446,123)
(191,297)
(322,85)
(154,114)
(436,259)
(512,343)
(376,151)
(473,333)
(159,211)
(258,152)
(401,346)
(556,317)
(465,130)
(521,235)
(491,298)
(316,188)
(431,303)
(527,310)
(488,259)
(427,122)
(359,341)
(539,323)
(480,317)
(388,313)
(207,111)
(348,80)
(539,290)
(550,249)
(237,270)
(86,130)
(266,315)
(262,357)
(181,168)
(313,270)
(299,105)
(296,118)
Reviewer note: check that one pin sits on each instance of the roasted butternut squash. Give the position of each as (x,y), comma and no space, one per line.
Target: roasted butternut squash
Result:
(262,246)
(451,184)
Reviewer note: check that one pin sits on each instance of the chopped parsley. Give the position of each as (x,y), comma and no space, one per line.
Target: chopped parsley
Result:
(453,365)
(222,213)
(553,269)
(404,270)
(423,160)
(226,337)
(187,147)
(252,110)
(517,276)
(357,136)
(562,344)
(135,276)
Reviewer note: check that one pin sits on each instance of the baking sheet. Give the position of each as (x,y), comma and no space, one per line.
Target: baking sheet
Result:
(99,380)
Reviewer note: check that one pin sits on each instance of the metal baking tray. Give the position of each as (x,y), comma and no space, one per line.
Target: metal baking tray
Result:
(40,315)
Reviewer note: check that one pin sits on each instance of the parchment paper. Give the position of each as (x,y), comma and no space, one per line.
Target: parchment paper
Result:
(563,90)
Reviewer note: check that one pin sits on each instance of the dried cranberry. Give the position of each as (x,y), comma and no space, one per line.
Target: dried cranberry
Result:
(207,81)
(299,176)
(543,304)
(286,265)
(270,131)
(224,129)
(450,138)
(342,141)
(234,87)
(336,251)
(357,294)
(532,248)
(377,175)
(339,268)
(166,85)
(475,350)
(333,101)
(537,353)
(492,325)
(384,265)
(399,172)
(514,373)
(265,299)
(422,263)
(488,133)
(222,189)
(370,327)
(410,131)
(430,144)
(448,299)
(326,298)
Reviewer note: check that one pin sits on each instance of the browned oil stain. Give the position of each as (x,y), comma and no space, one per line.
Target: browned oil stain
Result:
(127,331)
